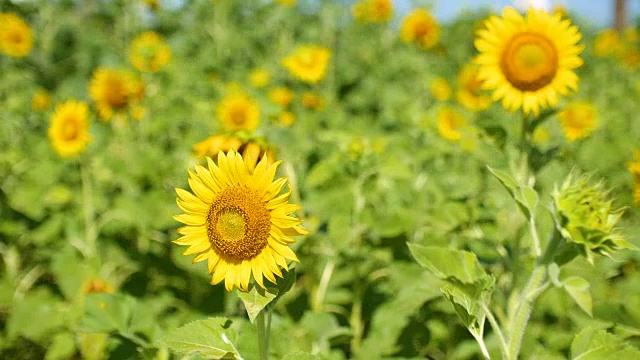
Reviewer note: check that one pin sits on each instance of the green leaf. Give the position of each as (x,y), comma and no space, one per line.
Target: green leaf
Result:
(527,197)
(300,355)
(579,289)
(107,312)
(286,283)
(505,179)
(62,347)
(465,307)
(257,299)
(211,338)
(597,344)
(36,316)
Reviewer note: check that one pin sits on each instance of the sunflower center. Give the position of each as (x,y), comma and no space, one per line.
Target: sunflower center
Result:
(422,29)
(116,94)
(70,129)
(15,37)
(238,115)
(238,223)
(529,62)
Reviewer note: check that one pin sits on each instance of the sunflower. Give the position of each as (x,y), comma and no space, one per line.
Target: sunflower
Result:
(420,27)
(212,145)
(312,100)
(41,100)
(606,43)
(288,3)
(16,36)
(285,118)
(281,95)
(148,52)
(372,11)
(113,91)
(528,61)
(579,119)
(470,93)
(238,111)
(440,89)
(259,78)
(69,128)
(634,169)
(96,286)
(308,63)
(451,123)
(238,221)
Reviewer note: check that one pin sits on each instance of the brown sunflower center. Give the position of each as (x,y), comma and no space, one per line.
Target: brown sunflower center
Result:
(70,129)
(15,37)
(238,223)
(530,61)
(238,115)
(422,29)
(116,93)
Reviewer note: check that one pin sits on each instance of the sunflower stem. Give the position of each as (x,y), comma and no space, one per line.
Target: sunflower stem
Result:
(263,333)
(90,228)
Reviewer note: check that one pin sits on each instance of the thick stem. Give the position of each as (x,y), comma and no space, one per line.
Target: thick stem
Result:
(90,229)
(521,317)
(263,336)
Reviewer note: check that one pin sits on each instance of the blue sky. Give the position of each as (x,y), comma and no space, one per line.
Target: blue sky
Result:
(599,12)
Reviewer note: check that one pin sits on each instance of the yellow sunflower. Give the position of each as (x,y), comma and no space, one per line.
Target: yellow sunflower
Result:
(69,128)
(259,78)
(579,119)
(149,52)
(308,63)
(420,27)
(288,3)
(237,111)
(606,43)
(281,95)
(96,286)
(41,100)
(634,169)
(528,61)
(312,100)
(113,91)
(470,93)
(285,118)
(372,11)
(440,89)
(16,36)
(212,145)
(238,221)
(451,123)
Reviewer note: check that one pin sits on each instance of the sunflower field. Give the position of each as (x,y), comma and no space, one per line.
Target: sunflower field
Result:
(220,179)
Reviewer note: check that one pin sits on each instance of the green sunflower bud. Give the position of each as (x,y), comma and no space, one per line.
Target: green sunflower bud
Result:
(585,217)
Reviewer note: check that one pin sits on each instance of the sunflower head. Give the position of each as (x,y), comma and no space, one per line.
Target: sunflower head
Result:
(287,3)
(606,43)
(470,93)
(16,36)
(69,128)
(308,63)
(238,220)
(212,145)
(440,89)
(585,217)
(372,11)
(579,119)
(285,118)
(96,286)
(451,123)
(312,100)
(420,27)
(238,111)
(259,78)
(113,91)
(281,95)
(149,52)
(527,61)
(41,100)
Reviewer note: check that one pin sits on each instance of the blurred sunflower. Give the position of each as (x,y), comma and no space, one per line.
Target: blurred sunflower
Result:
(451,123)
(259,78)
(41,100)
(113,90)
(289,3)
(212,145)
(153,5)
(237,111)
(238,221)
(16,36)
(634,169)
(440,89)
(606,43)
(313,101)
(149,52)
(308,63)
(470,93)
(420,27)
(372,11)
(528,61)
(578,120)
(69,128)
(254,150)
(96,286)
(285,118)
(281,95)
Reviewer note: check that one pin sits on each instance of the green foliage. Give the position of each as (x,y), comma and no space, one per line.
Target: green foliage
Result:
(593,344)
(211,338)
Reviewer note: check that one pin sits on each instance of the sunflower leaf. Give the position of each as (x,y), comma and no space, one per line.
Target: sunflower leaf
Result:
(300,355)
(257,299)
(578,288)
(593,344)
(212,338)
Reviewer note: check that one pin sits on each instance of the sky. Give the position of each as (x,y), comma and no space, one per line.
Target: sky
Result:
(599,12)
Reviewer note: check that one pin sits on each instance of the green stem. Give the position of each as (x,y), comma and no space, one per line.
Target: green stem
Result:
(523,310)
(263,334)
(90,229)
(504,348)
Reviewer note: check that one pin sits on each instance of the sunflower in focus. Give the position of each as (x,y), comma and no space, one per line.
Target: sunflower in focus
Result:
(528,61)
(578,120)
(212,145)
(113,91)
(451,123)
(470,93)
(238,111)
(149,52)
(372,11)
(41,100)
(606,43)
(69,128)
(281,95)
(16,36)
(634,169)
(308,63)
(259,78)
(238,221)
(420,27)
(440,89)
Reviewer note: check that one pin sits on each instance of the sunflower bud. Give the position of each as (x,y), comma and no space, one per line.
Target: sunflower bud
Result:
(585,217)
